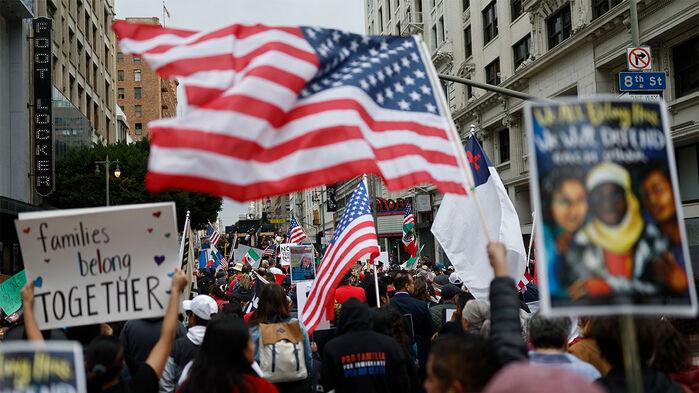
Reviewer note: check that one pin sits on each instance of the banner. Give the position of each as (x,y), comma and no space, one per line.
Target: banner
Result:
(10,293)
(51,366)
(99,264)
(301,263)
(285,253)
(611,236)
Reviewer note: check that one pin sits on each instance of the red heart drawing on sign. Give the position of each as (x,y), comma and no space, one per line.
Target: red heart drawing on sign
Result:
(26,230)
(150,230)
(156,214)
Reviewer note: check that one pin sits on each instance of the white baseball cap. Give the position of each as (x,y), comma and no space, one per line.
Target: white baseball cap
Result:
(455,279)
(203,306)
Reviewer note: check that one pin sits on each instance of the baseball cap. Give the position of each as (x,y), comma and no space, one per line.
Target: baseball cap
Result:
(203,306)
(449,291)
(455,279)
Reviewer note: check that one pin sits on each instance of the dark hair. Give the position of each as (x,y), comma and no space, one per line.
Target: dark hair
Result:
(462,298)
(370,291)
(422,289)
(607,332)
(347,278)
(233,308)
(215,290)
(389,322)
(671,350)
(219,364)
(104,361)
(272,306)
(548,333)
(401,280)
(552,184)
(467,358)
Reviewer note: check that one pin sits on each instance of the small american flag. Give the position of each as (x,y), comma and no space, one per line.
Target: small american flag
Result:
(269,251)
(354,238)
(213,235)
(295,233)
(408,218)
(273,110)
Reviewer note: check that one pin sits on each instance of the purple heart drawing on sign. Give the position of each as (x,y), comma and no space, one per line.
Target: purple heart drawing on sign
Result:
(38,282)
(47,260)
(159,259)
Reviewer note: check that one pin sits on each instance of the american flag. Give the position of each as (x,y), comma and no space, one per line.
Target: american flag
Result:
(212,234)
(273,110)
(354,238)
(269,251)
(408,218)
(295,233)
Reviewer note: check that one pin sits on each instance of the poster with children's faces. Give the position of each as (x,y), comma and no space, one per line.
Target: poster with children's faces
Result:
(302,264)
(611,237)
(100,264)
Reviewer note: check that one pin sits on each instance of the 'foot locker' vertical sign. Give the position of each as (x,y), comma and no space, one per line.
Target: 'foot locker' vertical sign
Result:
(43,119)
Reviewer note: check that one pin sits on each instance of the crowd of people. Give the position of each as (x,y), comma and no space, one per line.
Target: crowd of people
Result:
(419,331)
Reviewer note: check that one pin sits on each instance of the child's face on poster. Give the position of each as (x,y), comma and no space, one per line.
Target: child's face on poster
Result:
(569,206)
(657,195)
(609,203)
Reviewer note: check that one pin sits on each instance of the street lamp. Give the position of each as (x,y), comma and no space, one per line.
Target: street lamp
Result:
(107,165)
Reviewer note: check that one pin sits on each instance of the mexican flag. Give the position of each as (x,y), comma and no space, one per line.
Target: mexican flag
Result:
(411,262)
(408,233)
(251,257)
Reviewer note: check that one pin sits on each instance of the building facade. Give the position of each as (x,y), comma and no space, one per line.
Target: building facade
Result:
(549,48)
(141,93)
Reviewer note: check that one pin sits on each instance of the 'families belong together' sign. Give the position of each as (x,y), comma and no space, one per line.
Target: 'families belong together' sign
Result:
(100,264)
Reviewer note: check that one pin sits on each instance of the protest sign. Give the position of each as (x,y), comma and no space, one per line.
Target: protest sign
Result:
(301,263)
(611,237)
(285,253)
(382,260)
(10,293)
(99,264)
(52,366)
(303,288)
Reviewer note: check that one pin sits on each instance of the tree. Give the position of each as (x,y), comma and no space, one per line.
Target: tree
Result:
(79,185)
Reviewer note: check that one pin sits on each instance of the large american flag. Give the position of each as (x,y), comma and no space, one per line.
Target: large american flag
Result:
(273,110)
(295,233)
(212,234)
(354,238)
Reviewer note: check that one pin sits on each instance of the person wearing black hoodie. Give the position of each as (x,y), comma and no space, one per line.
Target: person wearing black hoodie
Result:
(361,360)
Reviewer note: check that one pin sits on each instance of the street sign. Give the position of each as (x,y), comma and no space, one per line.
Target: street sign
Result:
(642,81)
(641,97)
(638,59)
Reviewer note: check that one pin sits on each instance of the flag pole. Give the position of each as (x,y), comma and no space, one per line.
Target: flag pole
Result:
(456,140)
(531,240)
(184,234)
(376,286)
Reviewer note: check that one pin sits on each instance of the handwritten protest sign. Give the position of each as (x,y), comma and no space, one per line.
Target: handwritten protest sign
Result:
(10,293)
(285,253)
(611,236)
(52,366)
(100,264)
(302,264)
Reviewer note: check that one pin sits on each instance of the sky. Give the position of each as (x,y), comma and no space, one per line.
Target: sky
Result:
(211,14)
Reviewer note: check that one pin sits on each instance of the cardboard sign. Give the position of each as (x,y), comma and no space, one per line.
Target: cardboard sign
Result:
(382,260)
(10,293)
(99,264)
(302,264)
(610,236)
(52,366)
(303,288)
(285,253)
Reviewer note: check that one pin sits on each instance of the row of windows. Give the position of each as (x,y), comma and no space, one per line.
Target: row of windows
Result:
(137,93)
(120,58)
(136,75)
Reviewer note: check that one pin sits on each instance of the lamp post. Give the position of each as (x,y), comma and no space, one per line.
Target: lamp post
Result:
(107,165)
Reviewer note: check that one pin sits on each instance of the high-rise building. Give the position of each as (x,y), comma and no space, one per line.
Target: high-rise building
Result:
(141,93)
(548,48)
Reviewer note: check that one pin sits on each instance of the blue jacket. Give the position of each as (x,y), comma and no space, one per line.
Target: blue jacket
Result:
(423,327)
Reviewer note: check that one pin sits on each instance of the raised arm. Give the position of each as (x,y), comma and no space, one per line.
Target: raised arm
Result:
(158,355)
(506,331)
(31,329)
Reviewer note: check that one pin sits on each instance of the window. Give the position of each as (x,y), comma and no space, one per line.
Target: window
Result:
(136,60)
(120,57)
(120,93)
(467,41)
(469,90)
(445,88)
(559,26)
(521,50)
(138,128)
(434,36)
(137,75)
(492,72)
(120,75)
(685,57)
(515,9)
(600,7)
(442,32)
(138,110)
(504,145)
(688,172)
(465,4)
(380,20)
(490,23)
(137,93)
(388,8)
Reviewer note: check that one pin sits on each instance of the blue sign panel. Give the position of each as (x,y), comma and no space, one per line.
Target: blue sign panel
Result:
(642,81)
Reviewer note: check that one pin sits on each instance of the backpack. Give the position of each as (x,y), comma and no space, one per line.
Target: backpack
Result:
(281,352)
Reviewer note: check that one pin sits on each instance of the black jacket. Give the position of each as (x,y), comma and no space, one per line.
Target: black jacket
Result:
(361,360)
(653,382)
(423,327)
(505,328)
